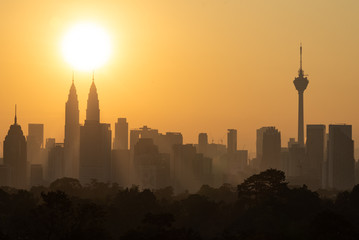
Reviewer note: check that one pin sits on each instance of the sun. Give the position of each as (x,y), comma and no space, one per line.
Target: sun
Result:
(86,46)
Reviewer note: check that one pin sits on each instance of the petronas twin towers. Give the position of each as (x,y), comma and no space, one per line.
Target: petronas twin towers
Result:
(87,147)
(72,134)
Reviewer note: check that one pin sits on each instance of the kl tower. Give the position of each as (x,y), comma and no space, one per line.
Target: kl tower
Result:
(300,83)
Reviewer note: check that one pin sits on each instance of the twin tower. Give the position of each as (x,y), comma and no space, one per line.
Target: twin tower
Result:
(87,150)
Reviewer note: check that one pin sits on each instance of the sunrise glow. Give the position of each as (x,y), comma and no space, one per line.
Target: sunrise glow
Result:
(86,46)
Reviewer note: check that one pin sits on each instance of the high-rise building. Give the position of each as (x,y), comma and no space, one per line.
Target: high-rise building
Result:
(315,155)
(93,108)
(144,132)
(164,142)
(151,166)
(95,143)
(120,142)
(72,134)
(37,131)
(202,143)
(15,156)
(271,148)
(191,169)
(301,83)
(243,159)
(259,146)
(341,157)
(56,166)
(35,142)
(232,141)
(121,171)
(296,160)
(284,160)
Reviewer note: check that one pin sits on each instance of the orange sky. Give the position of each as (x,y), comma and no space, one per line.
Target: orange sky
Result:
(186,65)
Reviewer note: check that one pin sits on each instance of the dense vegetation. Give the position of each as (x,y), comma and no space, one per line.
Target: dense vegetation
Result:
(262,207)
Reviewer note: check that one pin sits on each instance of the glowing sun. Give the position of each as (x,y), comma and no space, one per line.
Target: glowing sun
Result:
(86,46)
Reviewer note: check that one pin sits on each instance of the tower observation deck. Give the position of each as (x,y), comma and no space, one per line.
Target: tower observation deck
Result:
(300,83)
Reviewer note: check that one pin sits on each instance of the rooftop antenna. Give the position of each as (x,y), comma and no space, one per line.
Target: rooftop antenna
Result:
(15,114)
(300,56)
(300,63)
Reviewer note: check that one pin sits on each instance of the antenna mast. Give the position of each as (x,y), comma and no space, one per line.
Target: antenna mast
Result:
(15,114)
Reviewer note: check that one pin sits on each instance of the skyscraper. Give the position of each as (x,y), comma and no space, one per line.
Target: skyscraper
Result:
(72,134)
(144,132)
(192,169)
(93,109)
(315,154)
(151,166)
(15,156)
(95,143)
(232,141)
(56,162)
(300,83)
(37,131)
(341,157)
(259,146)
(271,148)
(35,142)
(202,143)
(120,141)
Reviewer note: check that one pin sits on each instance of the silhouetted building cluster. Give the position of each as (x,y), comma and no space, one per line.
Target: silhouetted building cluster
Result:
(325,161)
(150,159)
(15,157)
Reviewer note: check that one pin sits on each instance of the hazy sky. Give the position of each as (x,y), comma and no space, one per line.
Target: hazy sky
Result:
(186,65)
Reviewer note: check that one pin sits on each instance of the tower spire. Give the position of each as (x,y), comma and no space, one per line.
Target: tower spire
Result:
(93,110)
(300,56)
(15,115)
(301,73)
(73,77)
(300,83)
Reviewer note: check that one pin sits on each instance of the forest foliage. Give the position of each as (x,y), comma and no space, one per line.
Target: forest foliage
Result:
(264,206)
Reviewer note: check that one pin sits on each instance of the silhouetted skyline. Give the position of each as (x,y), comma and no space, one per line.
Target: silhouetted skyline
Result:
(155,160)
(177,119)
(194,62)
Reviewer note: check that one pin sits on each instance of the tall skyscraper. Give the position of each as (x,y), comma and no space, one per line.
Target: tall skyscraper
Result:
(164,142)
(192,169)
(232,141)
(15,156)
(56,162)
(301,83)
(120,141)
(37,131)
(202,143)
(95,143)
(315,155)
(259,146)
(296,160)
(35,143)
(72,134)
(152,167)
(271,148)
(341,157)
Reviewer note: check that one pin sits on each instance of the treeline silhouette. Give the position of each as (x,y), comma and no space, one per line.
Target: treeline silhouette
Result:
(262,207)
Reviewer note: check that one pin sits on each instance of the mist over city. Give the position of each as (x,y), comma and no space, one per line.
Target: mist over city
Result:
(179,120)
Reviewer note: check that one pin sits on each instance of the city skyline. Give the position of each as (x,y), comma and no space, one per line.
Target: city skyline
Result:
(179,119)
(210,67)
